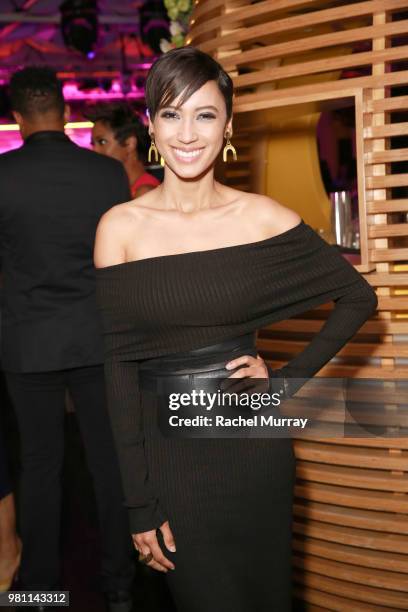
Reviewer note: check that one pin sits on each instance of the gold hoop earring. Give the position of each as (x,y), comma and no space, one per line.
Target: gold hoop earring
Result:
(162,161)
(152,151)
(229,147)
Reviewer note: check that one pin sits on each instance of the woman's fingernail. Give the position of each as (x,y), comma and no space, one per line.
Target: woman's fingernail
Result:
(172,548)
(228,366)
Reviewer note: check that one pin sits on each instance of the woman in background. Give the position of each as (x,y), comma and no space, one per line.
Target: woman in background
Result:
(186,277)
(119,133)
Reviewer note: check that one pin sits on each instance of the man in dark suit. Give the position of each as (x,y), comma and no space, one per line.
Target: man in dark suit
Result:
(52,194)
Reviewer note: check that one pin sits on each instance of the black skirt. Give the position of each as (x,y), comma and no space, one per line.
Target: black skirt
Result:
(228,500)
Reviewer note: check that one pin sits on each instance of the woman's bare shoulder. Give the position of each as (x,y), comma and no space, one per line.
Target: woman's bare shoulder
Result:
(111,234)
(275,218)
(120,212)
(124,218)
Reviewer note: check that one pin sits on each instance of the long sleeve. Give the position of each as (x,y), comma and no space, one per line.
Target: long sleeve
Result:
(127,423)
(125,409)
(357,303)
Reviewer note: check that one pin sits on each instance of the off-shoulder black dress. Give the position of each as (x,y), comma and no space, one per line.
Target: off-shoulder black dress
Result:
(228,501)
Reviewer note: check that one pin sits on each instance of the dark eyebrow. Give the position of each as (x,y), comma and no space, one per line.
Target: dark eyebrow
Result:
(207,107)
(214,108)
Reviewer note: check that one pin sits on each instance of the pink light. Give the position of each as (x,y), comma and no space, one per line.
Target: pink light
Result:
(12,139)
(9,141)
(72,92)
(81,137)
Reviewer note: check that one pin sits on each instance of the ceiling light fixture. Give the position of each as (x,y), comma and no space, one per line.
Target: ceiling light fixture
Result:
(79,25)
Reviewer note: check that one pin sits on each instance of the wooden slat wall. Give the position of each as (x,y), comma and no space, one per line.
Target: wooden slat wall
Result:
(350,543)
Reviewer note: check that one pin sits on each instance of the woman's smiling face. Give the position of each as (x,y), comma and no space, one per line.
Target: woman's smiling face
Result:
(191,136)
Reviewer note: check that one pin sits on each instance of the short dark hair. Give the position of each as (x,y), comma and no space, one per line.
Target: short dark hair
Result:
(183,71)
(36,90)
(123,121)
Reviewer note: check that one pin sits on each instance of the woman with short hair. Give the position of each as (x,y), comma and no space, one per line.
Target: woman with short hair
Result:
(185,279)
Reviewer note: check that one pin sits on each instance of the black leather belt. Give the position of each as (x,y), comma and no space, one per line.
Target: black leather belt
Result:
(206,363)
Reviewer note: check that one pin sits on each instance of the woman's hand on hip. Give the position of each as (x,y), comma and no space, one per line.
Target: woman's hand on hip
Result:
(248,367)
(147,545)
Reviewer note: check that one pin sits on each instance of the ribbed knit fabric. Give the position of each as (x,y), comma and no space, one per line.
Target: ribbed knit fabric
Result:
(168,304)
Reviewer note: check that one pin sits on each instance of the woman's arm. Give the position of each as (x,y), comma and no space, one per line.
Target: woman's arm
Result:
(123,397)
(121,378)
(145,514)
(306,271)
(351,310)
